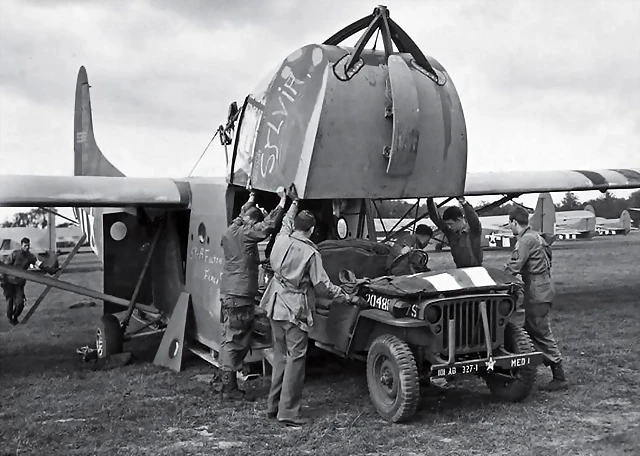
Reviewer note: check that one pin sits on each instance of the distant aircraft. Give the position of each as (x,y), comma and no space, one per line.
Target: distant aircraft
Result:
(347,126)
(607,227)
(634,212)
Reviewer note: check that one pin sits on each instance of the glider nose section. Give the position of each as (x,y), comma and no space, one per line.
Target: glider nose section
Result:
(381,128)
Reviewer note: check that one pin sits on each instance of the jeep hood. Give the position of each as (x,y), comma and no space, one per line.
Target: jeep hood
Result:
(450,282)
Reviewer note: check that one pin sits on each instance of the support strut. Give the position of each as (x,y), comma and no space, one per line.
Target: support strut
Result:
(71,287)
(132,303)
(413,222)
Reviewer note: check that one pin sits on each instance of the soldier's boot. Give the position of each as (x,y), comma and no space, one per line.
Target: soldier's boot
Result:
(559,381)
(441,382)
(17,311)
(230,390)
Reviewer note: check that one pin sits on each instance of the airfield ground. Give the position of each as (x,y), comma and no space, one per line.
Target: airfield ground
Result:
(52,403)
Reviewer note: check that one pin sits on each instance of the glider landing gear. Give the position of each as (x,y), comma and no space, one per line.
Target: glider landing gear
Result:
(109,336)
(111,333)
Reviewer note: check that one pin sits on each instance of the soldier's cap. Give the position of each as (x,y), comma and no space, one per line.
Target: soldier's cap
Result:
(25,240)
(424,230)
(304,221)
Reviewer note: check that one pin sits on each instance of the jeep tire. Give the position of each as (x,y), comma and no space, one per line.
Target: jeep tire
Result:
(108,336)
(392,377)
(516,341)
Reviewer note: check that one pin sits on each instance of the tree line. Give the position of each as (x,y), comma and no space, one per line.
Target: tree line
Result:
(35,217)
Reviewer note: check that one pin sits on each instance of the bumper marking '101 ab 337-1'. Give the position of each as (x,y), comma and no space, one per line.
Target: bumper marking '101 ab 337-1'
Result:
(477,366)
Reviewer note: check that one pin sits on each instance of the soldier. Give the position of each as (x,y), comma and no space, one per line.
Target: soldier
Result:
(239,286)
(400,262)
(463,232)
(289,301)
(13,287)
(532,259)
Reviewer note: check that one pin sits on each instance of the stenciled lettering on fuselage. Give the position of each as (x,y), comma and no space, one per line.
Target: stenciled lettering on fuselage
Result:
(289,104)
(212,265)
(274,120)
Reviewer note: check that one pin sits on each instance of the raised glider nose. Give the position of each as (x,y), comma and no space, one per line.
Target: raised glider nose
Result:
(353,122)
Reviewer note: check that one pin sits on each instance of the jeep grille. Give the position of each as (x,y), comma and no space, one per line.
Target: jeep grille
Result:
(469,336)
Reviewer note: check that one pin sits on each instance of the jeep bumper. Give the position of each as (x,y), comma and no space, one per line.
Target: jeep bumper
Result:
(486,365)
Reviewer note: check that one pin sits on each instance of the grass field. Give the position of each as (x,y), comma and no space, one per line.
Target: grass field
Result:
(52,403)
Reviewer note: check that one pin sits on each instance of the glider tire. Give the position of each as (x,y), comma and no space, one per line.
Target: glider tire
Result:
(108,336)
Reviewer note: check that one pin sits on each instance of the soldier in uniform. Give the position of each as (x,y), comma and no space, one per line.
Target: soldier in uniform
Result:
(13,287)
(289,302)
(239,286)
(463,231)
(532,259)
(400,261)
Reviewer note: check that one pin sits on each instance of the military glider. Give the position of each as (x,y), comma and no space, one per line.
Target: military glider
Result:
(348,126)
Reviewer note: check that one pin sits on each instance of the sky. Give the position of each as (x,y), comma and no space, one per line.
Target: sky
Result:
(543,84)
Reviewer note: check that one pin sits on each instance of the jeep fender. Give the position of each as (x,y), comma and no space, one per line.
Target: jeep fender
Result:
(372,323)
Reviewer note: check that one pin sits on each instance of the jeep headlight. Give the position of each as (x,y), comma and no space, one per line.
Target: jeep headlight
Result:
(505,307)
(433,314)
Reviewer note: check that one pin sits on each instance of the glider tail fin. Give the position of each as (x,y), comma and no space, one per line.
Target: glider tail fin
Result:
(88,159)
(543,220)
(625,221)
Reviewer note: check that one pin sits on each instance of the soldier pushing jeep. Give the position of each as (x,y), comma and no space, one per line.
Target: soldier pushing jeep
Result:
(532,259)
(289,303)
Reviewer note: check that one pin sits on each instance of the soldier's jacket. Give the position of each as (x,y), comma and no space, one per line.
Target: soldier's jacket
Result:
(241,257)
(531,258)
(466,246)
(22,260)
(298,274)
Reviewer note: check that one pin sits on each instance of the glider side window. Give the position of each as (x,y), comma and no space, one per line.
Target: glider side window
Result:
(202,233)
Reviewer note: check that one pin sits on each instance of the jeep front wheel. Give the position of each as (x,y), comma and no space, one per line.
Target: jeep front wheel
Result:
(392,377)
(516,384)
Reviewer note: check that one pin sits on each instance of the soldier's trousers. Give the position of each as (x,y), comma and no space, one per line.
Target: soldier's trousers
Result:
(287,379)
(536,323)
(236,315)
(14,294)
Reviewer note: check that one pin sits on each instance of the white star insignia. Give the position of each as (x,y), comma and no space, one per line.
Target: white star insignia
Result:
(490,364)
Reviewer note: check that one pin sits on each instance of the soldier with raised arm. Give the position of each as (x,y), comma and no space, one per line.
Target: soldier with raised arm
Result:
(463,231)
(239,286)
(289,302)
